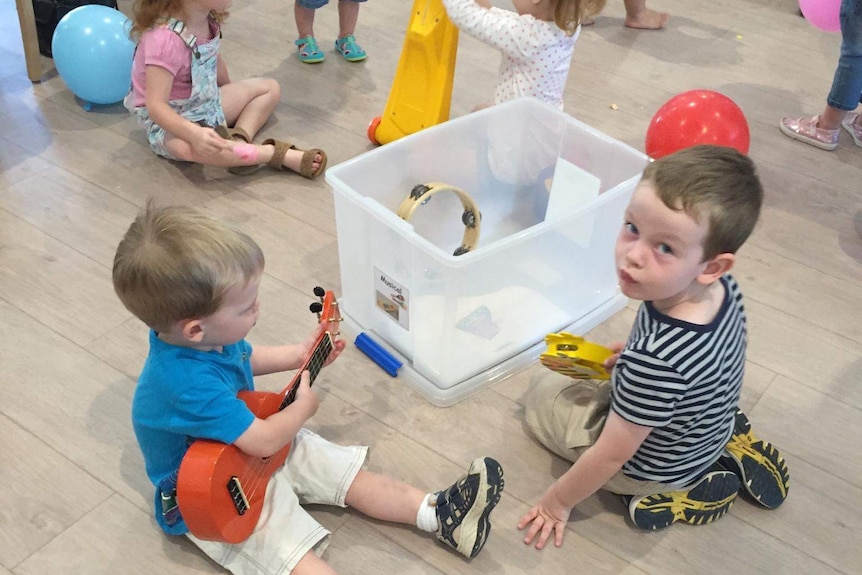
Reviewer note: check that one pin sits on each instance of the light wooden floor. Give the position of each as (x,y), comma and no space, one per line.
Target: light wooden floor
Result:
(75,498)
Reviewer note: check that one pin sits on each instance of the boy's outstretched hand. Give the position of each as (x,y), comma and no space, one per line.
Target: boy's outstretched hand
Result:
(546,517)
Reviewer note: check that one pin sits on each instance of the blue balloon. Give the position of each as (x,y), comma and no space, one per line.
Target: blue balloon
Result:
(93,53)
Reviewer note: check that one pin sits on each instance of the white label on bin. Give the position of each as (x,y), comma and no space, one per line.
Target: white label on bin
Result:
(392,297)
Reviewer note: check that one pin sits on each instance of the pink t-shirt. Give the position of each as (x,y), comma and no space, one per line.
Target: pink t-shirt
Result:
(165,48)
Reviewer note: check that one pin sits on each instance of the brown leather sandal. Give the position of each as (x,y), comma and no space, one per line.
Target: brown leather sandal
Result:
(232,133)
(241,135)
(306,166)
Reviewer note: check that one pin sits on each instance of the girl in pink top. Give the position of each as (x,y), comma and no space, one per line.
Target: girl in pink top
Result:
(537,41)
(184,98)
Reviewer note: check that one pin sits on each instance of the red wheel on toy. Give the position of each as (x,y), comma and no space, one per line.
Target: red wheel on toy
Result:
(372,131)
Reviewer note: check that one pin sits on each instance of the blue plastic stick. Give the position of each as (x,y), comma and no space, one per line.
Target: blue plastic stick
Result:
(377,354)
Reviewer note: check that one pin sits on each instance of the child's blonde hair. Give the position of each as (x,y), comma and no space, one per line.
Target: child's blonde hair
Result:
(568,14)
(149,13)
(713,181)
(174,263)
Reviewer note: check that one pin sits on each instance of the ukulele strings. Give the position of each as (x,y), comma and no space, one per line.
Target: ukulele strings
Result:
(314,365)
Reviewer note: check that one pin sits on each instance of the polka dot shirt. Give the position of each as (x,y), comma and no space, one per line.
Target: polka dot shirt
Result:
(535,54)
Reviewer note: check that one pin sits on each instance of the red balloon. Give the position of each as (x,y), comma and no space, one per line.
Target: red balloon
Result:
(697,117)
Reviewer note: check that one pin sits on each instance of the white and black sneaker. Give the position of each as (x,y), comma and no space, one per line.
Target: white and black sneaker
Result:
(464,509)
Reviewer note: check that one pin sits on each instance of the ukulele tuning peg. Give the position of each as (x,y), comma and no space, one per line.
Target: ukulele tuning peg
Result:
(316,307)
(319,291)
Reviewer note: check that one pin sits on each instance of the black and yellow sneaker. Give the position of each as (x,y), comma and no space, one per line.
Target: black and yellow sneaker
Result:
(464,509)
(758,464)
(703,503)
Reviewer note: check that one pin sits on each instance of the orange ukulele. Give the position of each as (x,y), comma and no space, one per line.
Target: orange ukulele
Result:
(220,489)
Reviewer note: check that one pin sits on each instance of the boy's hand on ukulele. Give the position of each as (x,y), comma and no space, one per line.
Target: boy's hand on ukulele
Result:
(617,348)
(546,517)
(306,396)
(207,143)
(309,344)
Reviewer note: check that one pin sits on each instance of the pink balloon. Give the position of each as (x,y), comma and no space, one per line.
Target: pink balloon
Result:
(822,14)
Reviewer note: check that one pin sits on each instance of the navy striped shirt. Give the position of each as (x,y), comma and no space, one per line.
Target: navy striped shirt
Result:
(683,380)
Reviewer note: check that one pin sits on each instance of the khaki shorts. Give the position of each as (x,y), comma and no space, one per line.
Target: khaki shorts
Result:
(567,416)
(316,471)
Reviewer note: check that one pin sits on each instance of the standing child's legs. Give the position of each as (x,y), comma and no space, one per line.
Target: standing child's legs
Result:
(348,14)
(306,46)
(822,131)
(639,16)
(303,13)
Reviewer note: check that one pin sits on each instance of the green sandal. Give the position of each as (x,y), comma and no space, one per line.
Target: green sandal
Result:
(348,48)
(308,50)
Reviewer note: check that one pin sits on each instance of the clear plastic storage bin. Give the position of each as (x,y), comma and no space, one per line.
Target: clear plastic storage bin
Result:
(551,191)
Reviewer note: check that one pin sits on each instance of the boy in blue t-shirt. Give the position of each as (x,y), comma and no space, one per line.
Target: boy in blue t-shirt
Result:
(665,431)
(194,281)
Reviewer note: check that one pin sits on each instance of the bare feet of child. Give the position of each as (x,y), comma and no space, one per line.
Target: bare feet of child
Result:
(647,19)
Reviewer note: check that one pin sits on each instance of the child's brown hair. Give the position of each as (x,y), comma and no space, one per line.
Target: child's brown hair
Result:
(715,182)
(174,263)
(149,13)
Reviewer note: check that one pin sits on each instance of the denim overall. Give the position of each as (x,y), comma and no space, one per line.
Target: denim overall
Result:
(203,106)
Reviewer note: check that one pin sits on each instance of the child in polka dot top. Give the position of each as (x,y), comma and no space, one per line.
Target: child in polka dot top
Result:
(537,41)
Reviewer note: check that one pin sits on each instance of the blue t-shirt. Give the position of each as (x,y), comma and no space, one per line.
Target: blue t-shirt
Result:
(184,394)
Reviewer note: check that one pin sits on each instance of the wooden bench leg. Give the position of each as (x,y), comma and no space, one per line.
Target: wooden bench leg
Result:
(27,20)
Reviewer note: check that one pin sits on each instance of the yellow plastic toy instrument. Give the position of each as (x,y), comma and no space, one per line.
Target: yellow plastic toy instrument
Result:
(576,357)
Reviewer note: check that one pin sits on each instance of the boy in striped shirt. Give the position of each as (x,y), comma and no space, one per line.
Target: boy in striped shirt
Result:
(665,431)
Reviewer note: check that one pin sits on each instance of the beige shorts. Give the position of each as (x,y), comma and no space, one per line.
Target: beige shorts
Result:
(316,471)
(567,416)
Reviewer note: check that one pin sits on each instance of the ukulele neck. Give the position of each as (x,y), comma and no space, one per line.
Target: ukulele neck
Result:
(313,364)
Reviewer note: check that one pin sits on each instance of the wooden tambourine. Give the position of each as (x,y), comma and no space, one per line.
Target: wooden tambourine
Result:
(576,357)
(471,218)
